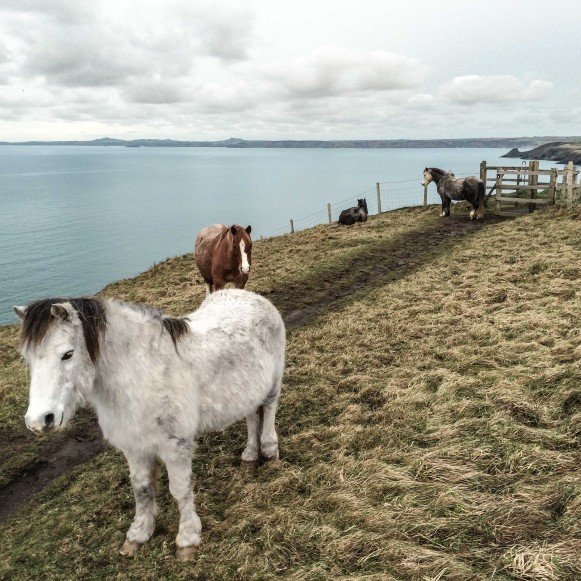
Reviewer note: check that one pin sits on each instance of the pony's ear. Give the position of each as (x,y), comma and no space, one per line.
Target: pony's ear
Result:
(20,312)
(248,229)
(426,169)
(234,230)
(59,311)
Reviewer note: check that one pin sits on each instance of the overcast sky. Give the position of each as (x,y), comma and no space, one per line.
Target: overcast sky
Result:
(271,69)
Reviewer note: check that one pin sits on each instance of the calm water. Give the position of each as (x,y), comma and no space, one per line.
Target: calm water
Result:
(73,219)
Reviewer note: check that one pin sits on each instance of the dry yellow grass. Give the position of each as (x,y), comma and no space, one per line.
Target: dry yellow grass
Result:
(429,426)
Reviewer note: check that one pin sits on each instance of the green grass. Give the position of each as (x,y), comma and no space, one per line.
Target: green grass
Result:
(430,421)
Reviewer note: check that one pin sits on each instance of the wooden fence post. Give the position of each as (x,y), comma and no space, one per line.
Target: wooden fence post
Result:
(292,227)
(553,185)
(533,181)
(498,195)
(483,172)
(329,212)
(378,189)
(425,195)
(570,183)
(563,187)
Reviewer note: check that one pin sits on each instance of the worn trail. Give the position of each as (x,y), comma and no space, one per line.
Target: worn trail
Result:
(58,458)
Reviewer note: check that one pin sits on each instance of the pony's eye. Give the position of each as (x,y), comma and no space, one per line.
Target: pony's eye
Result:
(67,355)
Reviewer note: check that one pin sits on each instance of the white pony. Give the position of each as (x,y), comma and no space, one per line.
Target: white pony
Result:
(155,383)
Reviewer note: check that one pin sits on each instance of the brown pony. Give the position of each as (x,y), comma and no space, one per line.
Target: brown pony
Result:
(223,255)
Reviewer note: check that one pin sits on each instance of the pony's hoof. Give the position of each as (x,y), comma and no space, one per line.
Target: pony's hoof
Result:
(186,553)
(274,458)
(129,548)
(248,465)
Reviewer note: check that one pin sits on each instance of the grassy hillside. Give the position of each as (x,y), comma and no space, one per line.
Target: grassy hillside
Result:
(430,421)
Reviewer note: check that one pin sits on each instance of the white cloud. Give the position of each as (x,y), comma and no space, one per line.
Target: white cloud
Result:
(334,70)
(472,89)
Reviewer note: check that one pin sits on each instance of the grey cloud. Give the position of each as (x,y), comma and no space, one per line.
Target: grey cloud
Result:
(154,92)
(66,11)
(223,30)
(82,46)
(333,70)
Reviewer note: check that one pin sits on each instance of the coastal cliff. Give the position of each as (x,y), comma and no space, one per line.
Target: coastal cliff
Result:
(558,151)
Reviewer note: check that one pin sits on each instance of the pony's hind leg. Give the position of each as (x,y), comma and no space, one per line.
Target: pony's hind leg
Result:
(254,427)
(142,471)
(474,203)
(481,209)
(268,436)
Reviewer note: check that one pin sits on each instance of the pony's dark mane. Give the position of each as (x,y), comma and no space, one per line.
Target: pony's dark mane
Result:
(38,319)
(436,170)
(177,327)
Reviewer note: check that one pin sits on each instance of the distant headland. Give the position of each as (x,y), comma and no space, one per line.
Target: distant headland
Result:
(496,142)
(561,152)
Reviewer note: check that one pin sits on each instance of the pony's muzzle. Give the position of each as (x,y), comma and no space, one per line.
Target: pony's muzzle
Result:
(44,423)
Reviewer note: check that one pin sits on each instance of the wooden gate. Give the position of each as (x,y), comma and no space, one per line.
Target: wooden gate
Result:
(531,185)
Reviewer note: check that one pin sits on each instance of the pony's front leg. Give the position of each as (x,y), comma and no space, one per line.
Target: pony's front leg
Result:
(446,201)
(142,471)
(218,283)
(179,471)
(241,281)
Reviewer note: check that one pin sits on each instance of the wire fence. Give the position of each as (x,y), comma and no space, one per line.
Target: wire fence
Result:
(385,196)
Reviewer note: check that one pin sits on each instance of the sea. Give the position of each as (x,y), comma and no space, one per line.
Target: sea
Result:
(74,218)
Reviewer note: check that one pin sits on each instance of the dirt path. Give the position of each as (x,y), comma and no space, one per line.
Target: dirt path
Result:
(402,260)
(81,444)
(59,457)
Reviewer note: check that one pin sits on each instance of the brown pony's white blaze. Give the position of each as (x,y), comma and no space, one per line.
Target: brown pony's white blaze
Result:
(244,257)
(224,255)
